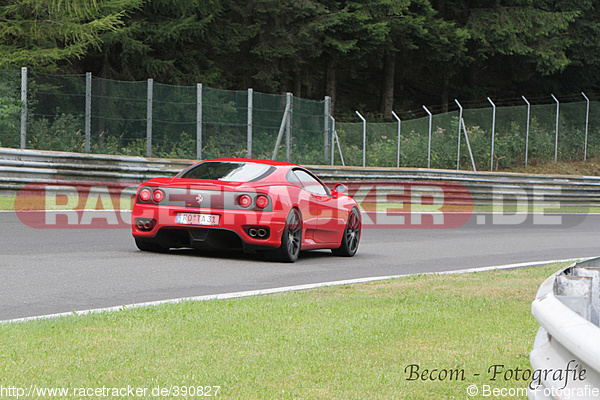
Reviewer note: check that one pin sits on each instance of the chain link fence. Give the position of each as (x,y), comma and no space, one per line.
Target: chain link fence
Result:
(81,113)
(487,138)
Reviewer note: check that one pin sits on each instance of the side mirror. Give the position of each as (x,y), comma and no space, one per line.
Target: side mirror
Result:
(340,188)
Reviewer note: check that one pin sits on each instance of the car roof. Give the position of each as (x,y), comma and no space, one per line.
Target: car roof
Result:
(274,163)
(281,168)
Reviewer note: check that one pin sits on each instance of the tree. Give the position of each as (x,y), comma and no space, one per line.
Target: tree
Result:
(514,42)
(582,74)
(535,34)
(10,109)
(364,54)
(281,48)
(422,39)
(348,32)
(43,34)
(173,41)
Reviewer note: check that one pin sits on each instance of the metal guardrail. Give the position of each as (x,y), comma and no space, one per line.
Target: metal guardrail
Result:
(566,353)
(21,167)
(484,187)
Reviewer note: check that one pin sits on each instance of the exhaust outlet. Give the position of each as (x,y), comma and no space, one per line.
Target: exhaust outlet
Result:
(252,232)
(145,224)
(261,232)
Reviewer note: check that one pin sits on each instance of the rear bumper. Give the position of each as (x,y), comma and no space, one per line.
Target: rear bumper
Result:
(165,227)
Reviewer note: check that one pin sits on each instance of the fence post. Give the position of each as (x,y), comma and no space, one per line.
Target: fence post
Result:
(23,107)
(462,122)
(429,141)
(149,118)
(460,117)
(527,133)
(335,136)
(333,133)
(88,111)
(493,133)
(556,139)
(364,121)
(326,115)
(284,120)
(587,120)
(249,128)
(199,121)
(399,131)
(288,128)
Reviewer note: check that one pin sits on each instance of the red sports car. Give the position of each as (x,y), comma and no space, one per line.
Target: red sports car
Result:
(253,205)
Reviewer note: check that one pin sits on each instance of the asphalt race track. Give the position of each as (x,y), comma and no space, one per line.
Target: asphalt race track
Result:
(47,271)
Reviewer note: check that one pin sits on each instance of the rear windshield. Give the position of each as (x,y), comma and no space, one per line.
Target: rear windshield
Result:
(228,171)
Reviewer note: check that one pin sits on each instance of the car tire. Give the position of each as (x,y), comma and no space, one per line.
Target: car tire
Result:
(145,245)
(351,237)
(291,239)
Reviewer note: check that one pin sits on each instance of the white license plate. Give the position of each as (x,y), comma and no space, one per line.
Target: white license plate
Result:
(197,219)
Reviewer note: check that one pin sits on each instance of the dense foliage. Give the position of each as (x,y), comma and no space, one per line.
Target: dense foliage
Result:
(373,55)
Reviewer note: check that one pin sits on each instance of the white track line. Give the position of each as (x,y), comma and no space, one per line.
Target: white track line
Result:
(262,292)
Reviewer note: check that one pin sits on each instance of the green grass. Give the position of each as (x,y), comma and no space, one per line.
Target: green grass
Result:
(7,203)
(345,342)
(495,208)
(545,209)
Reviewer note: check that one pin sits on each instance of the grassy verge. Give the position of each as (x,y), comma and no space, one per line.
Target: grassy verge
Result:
(496,208)
(38,203)
(7,203)
(347,342)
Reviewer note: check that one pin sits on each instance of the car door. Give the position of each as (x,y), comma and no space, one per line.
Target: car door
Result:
(323,206)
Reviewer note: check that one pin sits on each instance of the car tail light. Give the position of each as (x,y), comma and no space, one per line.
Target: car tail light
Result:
(145,194)
(245,200)
(158,195)
(262,201)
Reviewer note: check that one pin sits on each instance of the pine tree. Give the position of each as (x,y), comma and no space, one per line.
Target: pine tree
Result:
(173,41)
(45,33)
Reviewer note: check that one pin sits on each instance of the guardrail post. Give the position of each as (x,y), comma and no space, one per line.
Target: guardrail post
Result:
(429,141)
(556,139)
(88,111)
(527,133)
(199,121)
(364,121)
(249,128)
(460,116)
(568,336)
(23,107)
(149,118)
(399,132)
(493,133)
(594,274)
(574,292)
(587,120)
